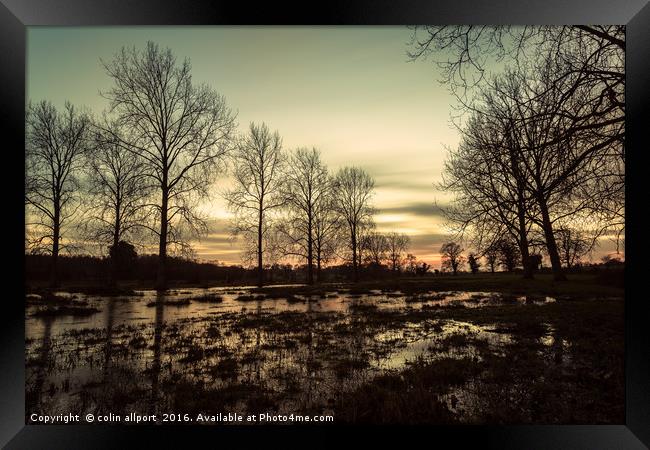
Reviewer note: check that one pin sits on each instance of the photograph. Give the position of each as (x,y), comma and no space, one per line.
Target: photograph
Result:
(322,225)
(354,224)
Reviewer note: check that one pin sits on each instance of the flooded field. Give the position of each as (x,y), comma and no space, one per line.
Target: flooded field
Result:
(360,355)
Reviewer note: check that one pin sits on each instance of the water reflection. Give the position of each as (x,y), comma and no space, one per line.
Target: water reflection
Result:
(154,352)
(108,348)
(42,363)
(154,407)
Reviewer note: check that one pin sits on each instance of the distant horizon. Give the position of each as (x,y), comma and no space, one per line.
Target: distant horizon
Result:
(348,91)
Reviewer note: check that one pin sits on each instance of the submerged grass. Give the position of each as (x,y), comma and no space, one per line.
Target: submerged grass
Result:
(560,362)
(180,302)
(65,310)
(208,298)
(577,286)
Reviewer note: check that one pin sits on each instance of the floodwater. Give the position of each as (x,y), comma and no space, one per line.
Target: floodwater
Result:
(223,350)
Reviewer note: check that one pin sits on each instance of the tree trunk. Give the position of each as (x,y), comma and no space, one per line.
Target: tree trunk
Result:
(56,236)
(525,254)
(354,255)
(260,267)
(551,245)
(156,363)
(523,238)
(318,262)
(521,214)
(310,252)
(161,282)
(112,277)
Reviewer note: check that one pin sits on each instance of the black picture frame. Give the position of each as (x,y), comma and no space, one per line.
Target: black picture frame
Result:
(16,15)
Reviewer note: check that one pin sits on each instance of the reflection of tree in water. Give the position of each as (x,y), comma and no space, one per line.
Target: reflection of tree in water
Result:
(109,386)
(258,341)
(156,364)
(119,386)
(557,346)
(309,363)
(43,363)
(108,347)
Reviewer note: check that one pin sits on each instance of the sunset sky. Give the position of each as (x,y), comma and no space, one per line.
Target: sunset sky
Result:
(349,91)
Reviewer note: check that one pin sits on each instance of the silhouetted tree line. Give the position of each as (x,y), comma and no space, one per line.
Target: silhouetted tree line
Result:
(133,178)
(142,270)
(92,269)
(610,270)
(503,253)
(541,161)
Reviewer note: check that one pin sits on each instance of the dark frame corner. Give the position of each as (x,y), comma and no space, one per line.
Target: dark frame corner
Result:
(16,15)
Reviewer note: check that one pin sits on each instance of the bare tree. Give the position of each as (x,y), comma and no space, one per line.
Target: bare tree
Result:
(491,256)
(259,168)
(353,190)
(274,252)
(573,245)
(376,247)
(411,264)
(571,110)
(55,146)
(118,191)
(363,251)
(182,132)
(551,156)
(474,263)
(306,192)
(452,256)
(465,52)
(397,244)
(327,230)
(273,242)
(508,254)
(486,174)
(565,148)
(422,268)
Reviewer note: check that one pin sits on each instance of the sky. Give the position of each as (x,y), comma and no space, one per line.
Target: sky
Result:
(351,92)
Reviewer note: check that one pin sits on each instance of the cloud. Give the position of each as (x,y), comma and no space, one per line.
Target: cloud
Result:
(429,241)
(406,184)
(415,179)
(216,239)
(423,209)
